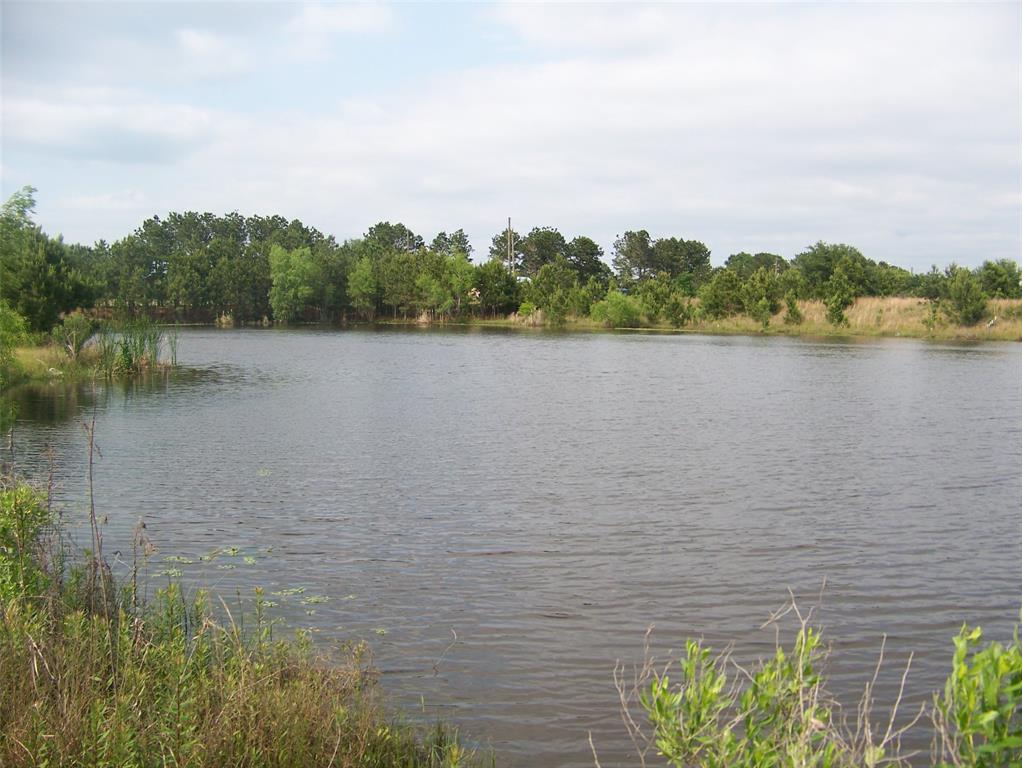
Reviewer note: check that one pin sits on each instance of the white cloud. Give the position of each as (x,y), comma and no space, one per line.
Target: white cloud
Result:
(752,128)
(314,31)
(207,54)
(107,124)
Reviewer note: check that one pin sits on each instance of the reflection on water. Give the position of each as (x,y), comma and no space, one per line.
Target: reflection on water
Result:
(547,496)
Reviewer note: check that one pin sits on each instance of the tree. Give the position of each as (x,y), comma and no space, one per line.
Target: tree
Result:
(746,263)
(295,276)
(393,237)
(653,295)
(1001,279)
(38,278)
(966,300)
(498,289)
(838,297)
(362,287)
(722,295)
(586,258)
(551,289)
(678,257)
(448,245)
(819,261)
(762,294)
(499,248)
(542,246)
(617,310)
(633,255)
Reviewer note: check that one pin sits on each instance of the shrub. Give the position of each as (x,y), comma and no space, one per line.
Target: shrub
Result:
(839,297)
(722,296)
(74,333)
(526,309)
(678,310)
(617,311)
(966,301)
(793,315)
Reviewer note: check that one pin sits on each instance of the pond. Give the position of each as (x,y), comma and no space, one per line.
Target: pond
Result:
(501,515)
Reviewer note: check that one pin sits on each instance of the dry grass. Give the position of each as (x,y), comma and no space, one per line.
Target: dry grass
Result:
(893,316)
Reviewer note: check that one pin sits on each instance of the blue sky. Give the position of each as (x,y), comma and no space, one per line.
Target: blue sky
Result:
(895,128)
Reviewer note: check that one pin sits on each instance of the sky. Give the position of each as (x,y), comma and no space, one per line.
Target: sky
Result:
(896,128)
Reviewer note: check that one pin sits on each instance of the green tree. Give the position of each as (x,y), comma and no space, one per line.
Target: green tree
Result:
(394,237)
(722,295)
(678,257)
(761,294)
(551,289)
(653,295)
(295,276)
(633,256)
(819,261)
(1001,279)
(449,245)
(499,248)
(966,301)
(498,289)
(617,310)
(542,246)
(362,287)
(586,258)
(838,297)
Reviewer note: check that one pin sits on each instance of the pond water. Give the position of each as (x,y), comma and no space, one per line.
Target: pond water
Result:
(502,515)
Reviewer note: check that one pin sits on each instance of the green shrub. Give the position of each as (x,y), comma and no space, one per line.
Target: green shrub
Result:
(74,333)
(793,315)
(839,297)
(678,310)
(966,301)
(24,517)
(722,295)
(617,310)
(979,714)
(526,309)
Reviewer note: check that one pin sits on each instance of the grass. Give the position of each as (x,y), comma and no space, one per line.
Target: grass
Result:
(129,350)
(868,317)
(92,675)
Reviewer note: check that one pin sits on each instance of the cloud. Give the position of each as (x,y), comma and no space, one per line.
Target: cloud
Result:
(204,53)
(314,31)
(107,125)
(752,128)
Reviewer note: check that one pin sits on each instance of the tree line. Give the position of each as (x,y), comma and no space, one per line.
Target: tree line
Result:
(198,267)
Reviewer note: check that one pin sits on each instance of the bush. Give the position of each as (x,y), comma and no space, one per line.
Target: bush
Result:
(679,310)
(617,311)
(966,301)
(526,309)
(722,296)
(839,297)
(718,714)
(793,315)
(74,333)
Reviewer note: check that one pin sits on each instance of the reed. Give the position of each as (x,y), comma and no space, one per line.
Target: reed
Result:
(92,674)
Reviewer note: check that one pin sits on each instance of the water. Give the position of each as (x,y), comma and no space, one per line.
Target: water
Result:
(544,498)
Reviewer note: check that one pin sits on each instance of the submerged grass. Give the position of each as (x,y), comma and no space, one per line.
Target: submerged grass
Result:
(92,675)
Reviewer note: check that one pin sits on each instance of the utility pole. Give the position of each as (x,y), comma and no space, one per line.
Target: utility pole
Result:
(510,259)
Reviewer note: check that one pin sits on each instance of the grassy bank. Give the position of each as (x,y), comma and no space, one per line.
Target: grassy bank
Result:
(891,316)
(81,349)
(93,676)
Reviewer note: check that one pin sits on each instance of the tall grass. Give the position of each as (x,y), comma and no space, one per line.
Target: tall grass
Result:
(93,675)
